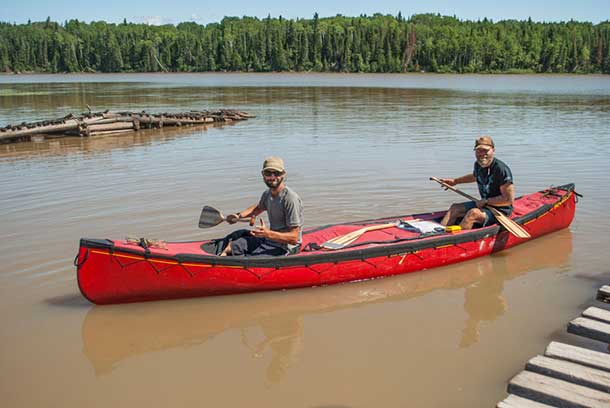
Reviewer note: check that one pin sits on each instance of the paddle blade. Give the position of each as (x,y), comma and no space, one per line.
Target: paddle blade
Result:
(332,245)
(510,225)
(210,217)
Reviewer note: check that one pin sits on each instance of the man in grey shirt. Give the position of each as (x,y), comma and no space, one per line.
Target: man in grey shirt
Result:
(285,211)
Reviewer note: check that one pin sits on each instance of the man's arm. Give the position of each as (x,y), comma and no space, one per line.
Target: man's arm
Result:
(289,237)
(506,197)
(466,178)
(251,211)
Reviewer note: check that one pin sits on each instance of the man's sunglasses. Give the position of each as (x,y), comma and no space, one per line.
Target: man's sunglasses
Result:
(269,173)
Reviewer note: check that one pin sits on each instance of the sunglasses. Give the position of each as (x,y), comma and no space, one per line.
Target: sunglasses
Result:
(269,173)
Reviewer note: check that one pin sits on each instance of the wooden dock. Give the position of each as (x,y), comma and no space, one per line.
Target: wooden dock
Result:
(566,375)
(102,123)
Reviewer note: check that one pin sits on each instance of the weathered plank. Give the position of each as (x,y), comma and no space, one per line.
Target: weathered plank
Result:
(570,372)
(25,131)
(105,127)
(556,392)
(578,355)
(596,313)
(590,328)
(603,294)
(514,401)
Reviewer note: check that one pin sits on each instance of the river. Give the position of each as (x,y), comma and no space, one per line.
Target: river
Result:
(355,147)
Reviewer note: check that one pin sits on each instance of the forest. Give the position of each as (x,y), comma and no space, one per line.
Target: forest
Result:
(376,44)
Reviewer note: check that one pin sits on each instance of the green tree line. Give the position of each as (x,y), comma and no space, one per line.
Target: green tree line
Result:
(379,43)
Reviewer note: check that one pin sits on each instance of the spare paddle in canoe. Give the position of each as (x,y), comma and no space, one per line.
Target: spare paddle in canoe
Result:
(344,240)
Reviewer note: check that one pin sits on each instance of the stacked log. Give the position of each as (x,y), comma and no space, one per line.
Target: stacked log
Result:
(102,123)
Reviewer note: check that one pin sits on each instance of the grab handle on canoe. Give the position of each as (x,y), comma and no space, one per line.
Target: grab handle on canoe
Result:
(81,263)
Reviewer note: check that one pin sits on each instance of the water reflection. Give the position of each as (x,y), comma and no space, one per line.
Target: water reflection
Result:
(73,145)
(284,338)
(112,334)
(483,299)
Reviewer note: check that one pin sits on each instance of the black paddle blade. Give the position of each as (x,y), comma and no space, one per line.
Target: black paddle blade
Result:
(210,217)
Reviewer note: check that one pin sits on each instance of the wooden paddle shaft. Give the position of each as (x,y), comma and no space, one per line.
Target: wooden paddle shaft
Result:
(249,220)
(463,194)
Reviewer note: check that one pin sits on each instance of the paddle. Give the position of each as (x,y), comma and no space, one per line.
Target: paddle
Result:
(344,240)
(211,217)
(512,227)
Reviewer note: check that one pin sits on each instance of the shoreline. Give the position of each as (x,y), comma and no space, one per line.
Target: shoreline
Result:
(594,84)
(485,73)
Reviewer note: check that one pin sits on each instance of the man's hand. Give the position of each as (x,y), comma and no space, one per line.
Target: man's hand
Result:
(449,181)
(261,231)
(233,218)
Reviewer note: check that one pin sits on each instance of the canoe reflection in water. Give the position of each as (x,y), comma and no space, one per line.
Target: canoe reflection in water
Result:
(112,334)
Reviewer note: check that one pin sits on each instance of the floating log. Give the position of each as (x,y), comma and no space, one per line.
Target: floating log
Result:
(24,130)
(111,126)
(102,121)
(108,132)
(97,123)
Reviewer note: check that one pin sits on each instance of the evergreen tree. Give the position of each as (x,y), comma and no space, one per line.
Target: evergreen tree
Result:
(379,43)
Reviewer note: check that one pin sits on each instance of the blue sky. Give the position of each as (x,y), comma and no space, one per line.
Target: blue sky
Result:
(206,11)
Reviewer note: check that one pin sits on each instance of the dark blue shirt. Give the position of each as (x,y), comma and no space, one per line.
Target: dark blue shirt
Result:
(489,180)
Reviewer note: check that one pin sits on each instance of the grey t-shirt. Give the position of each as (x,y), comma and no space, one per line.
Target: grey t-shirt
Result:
(284,211)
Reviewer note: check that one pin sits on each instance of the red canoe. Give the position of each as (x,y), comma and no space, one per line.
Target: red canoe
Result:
(116,271)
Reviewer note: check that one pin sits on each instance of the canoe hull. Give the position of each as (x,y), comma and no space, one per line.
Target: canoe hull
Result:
(110,274)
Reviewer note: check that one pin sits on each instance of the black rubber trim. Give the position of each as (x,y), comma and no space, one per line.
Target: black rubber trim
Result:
(397,248)
(97,243)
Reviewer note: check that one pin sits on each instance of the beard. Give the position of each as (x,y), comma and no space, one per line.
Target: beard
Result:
(274,183)
(484,161)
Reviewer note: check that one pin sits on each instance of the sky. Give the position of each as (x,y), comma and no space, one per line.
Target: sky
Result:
(207,11)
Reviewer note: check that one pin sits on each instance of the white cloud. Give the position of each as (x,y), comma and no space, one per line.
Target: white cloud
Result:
(153,20)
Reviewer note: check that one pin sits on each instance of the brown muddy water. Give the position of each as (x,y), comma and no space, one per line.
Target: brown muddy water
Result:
(356,147)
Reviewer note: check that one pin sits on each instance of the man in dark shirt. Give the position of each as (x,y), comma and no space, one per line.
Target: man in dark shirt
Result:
(495,182)
(285,211)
